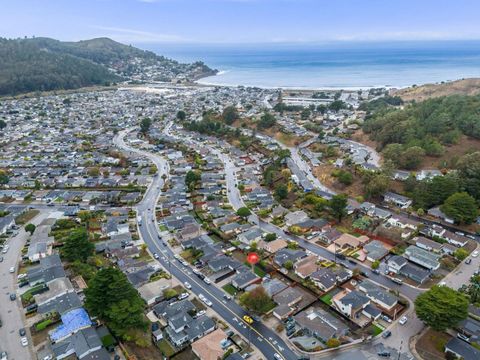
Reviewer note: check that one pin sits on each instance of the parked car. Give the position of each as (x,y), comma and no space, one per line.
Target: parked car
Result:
(463,337)
(22,332)
(386,318)
(1,258)
(3,355)
(183,296)
(12,269)
(475,254)
(207,281)
(13,296)
(403,320)
(187,285)
(24,341)
(155,255)
(227,297)
(386,334)
(383,353)
(468,261)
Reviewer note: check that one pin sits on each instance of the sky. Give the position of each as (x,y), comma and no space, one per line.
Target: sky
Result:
(242,21)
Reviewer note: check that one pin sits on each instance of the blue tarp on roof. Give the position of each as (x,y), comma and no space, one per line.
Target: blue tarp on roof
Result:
(72,321)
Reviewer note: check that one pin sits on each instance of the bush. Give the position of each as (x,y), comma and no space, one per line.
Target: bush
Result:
(333,343)
(43,324)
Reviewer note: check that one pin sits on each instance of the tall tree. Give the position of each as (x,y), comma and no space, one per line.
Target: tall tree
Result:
(441,307)
(30,228)
(78,246)
(229,115)
(257,300)
(113,299)
(145,125)
(338,206)
(461,207)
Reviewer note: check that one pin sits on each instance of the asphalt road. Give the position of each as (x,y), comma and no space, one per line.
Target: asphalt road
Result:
(11,312)
(263,338)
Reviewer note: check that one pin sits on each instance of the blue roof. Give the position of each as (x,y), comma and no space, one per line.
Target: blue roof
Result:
(72,321)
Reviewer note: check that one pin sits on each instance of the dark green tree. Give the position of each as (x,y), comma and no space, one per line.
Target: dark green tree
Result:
(181,115)
(30,228)
(441,307)
(257,300)
(145,125)
(281,191)
(112,298)
(244,212)
(229,115)
(78,246)
(338,206)
(267,120)
(461,207)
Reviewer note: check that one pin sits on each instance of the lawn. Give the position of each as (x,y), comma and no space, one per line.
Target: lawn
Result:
(260,272)
(229,288)
(26,216)
(327,299)
(375,330)
(166,348)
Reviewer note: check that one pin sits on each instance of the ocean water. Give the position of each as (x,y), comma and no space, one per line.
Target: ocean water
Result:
(340,65)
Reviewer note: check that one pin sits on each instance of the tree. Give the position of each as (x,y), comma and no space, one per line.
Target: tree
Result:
(345,178)
(375,264)
(375,184)
(333,343)
(244,212)
(270,237)
(281,192)
(145,125)
(30,228)
(191,179)
(338,206)
(267,120)
(468,167)
(412,157)
(441,307)
(460,254)
(4,177)
(77,246)
(3,124)
(181,115)
(288,265)
(461,207)
(112,298)
(93,171)
(229,115)
(305,114)
(257,300)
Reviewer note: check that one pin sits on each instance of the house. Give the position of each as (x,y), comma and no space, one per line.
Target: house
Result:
(244,279)
(211,346)
(422,257)
(295,217)
(329,234)
(350,241)
(61,304)
(427,244)
(83,344)
(375,250)
(437,213)
(153,291)
(289,296)
(273,246)
(403,222)
(6,223)
(427,174)
(321,324)
(72,322)
(191,329)
(470,328)
(273,286)
(462,349)
(400,201)
(324,278)
(306,266)
(56,288)
(50,268)
(378,295)
(351,304)
(288,255)
(455,239)
(416,273)
(254,234)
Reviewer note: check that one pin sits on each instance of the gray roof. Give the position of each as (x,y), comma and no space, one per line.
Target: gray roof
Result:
(374,291)
(461,348)
(375,250)
(61,304)
(321,324)
(355,298)
(79,343)
(284,255)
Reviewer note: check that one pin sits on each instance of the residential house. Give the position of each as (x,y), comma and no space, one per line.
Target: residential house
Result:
(400,201)
(422,257)
(375,250)
(321,324)
(462,349)
(273,246)
(378,295)
(211,346)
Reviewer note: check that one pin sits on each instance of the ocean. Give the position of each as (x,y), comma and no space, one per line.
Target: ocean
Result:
(332,66)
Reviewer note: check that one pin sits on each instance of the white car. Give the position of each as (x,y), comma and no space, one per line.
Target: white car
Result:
(187,285)
(21,276)
(277,356)
(12,269)
(24,341)
(155,255)
(207,281)
(403,320)
(183,296)
(475,253)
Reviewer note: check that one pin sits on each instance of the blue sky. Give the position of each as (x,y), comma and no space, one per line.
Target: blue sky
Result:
(242,21)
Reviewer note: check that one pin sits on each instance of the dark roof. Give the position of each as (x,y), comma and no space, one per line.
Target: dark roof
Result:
(461,348)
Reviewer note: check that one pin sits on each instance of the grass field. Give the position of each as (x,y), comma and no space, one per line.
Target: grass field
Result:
(230,289)
(22,219)
(327,299)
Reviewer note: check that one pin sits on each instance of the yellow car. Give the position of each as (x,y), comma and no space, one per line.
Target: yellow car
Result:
(247,319)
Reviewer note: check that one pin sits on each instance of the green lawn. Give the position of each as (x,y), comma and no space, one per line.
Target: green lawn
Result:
(327,299)
(166,348)
(375,330)
(229,288)
(259,271)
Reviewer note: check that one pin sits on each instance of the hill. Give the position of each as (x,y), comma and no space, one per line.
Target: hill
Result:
(428,128)
(42,64)
(428,91)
